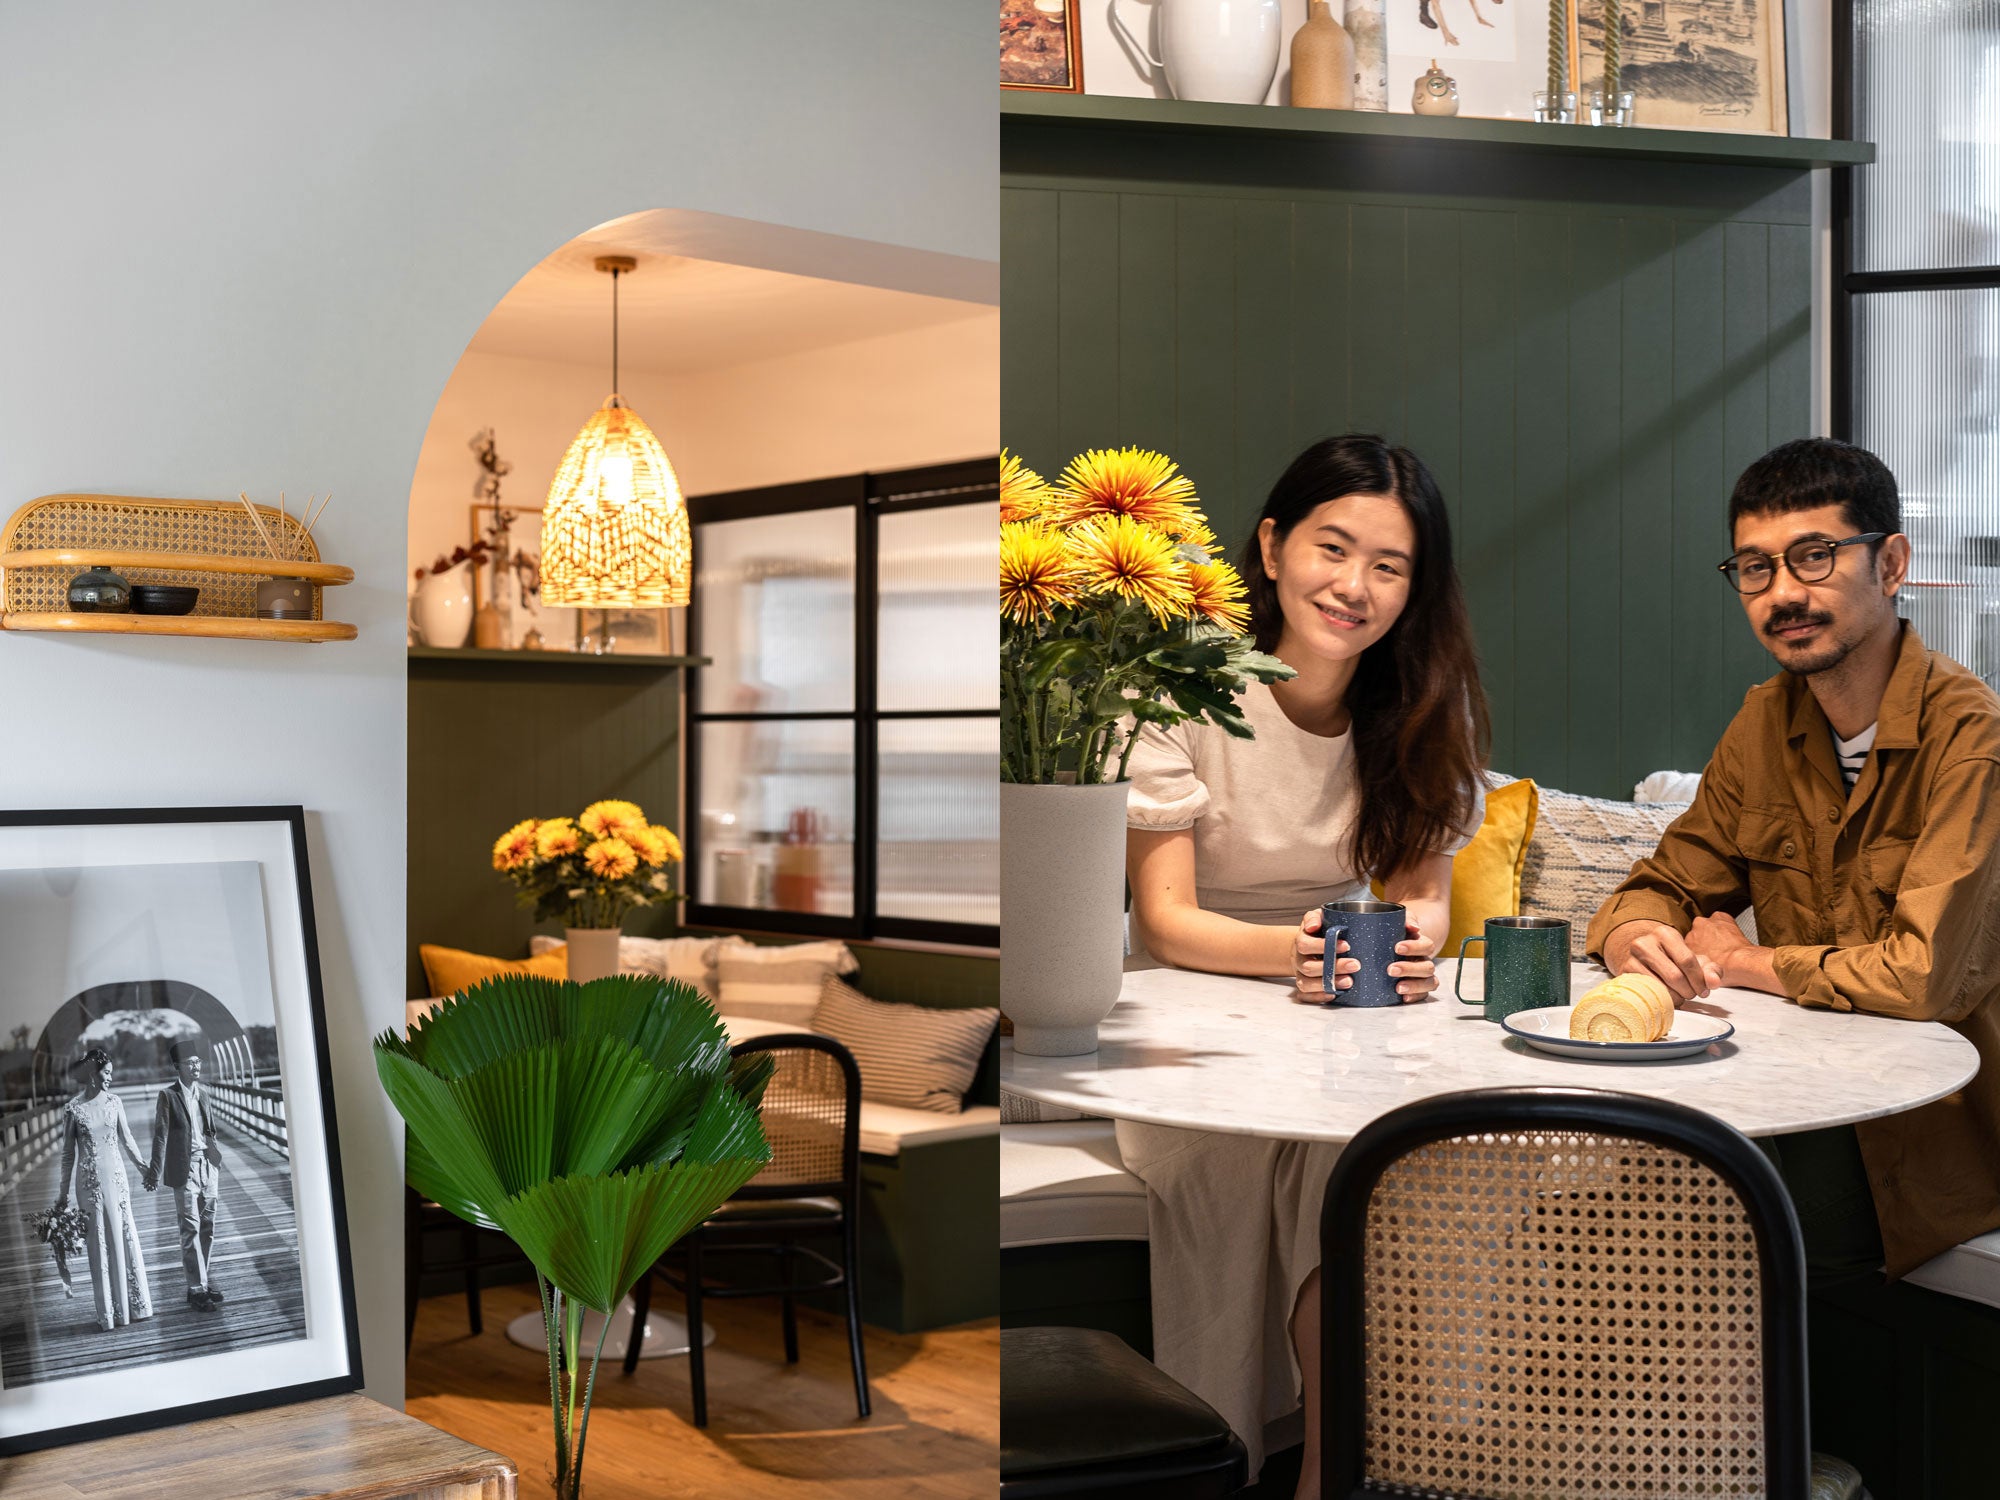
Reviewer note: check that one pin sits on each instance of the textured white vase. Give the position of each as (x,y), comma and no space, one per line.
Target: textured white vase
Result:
(593,952)
(1368,26)
(1062,913)
(443,608)
(1220,51)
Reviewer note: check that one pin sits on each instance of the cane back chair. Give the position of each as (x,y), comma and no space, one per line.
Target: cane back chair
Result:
(1537,1294)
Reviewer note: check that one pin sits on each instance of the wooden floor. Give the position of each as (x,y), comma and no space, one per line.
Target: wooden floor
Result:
(774,1430)
(254,1263)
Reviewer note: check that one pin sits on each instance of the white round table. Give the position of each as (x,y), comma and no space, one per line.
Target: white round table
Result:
(1240,1057)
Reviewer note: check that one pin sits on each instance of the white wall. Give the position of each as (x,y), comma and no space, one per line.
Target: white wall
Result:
(247,243)
(925,395)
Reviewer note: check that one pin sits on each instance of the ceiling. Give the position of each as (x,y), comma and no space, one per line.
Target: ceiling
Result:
(677,314)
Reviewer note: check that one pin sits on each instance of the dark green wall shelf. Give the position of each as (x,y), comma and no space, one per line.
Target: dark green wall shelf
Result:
(472,656)
(1498,137)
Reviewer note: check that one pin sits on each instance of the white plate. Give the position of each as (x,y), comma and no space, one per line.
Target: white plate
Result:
(1548,1029)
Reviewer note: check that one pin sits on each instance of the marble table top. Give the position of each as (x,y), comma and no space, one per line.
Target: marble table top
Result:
(1239,1057)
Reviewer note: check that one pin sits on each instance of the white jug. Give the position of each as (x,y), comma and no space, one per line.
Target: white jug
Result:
(1222,51)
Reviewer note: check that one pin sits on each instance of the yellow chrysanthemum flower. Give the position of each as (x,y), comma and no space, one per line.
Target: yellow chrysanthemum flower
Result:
(1148,487)
(610,859)
(1216,593)
(515,847)
(1118,555)
(611,818)
(655,845)
(1037,574)
(1024,494)
(672,844)
(557,837)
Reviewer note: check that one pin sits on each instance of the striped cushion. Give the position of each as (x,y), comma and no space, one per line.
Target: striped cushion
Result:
(780,983)
(910,1055)
(1583,849)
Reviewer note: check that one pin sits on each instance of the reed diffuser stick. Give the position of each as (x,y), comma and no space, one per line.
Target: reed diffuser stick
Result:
(1558,52)
(262,529)
(1611,40)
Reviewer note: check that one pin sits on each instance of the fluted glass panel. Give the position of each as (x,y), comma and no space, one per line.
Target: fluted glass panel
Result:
(777,815)
(1927,388)
(939,818)
(938,642)
(775,597)
(1927,93)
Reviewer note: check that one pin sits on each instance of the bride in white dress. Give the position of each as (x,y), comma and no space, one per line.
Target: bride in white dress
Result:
(96,1139)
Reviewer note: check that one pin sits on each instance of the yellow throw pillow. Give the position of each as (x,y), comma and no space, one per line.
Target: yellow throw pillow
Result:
(1486,873)
(450,970)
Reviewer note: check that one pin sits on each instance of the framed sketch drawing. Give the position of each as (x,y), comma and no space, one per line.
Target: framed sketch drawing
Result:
(1498,53)
(173,1238)
(1693,64)
(1041,46)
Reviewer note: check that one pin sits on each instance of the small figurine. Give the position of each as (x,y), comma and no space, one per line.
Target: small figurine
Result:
(1436,93)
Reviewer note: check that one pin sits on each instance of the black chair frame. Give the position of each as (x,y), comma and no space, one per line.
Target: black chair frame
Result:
(1719,1146)
(419,1218)
(774,1237)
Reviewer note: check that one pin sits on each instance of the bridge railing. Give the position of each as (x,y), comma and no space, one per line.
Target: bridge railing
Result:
(26,1137)
(255,1110)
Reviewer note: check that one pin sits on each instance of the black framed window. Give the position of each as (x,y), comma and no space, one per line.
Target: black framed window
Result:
(1916,363)
(844,740)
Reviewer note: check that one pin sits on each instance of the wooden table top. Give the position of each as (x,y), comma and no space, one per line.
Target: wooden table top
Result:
(342,1448)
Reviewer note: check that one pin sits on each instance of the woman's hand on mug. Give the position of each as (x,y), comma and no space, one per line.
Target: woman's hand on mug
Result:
(1415,970)
(1309,960)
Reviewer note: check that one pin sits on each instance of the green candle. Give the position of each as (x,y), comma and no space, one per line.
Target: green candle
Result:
(1558,52)
(1611,37)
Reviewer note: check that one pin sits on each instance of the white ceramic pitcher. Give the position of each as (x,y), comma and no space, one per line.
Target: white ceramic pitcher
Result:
(1222,51)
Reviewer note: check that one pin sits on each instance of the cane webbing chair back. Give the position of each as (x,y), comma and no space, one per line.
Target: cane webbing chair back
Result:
(811,1113)
(1558,1293)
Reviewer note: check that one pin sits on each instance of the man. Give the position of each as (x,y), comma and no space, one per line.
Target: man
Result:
(184,1139)
(1854,804)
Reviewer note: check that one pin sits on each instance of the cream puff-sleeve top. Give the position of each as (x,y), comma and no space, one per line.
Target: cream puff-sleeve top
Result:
(1271,815)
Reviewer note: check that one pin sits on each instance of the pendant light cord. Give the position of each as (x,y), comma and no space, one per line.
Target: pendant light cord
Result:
(614,330)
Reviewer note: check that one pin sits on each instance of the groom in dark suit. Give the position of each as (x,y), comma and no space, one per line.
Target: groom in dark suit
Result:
(185,1152)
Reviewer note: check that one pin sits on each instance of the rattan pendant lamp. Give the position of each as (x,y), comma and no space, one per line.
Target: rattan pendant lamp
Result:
(615,525)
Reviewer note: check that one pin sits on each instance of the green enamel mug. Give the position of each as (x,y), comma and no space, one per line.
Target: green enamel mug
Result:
(1527,965)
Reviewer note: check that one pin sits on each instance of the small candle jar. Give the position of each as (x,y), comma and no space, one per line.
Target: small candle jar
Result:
(1555,108)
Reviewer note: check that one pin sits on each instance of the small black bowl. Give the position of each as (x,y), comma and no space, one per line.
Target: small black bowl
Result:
(162,599)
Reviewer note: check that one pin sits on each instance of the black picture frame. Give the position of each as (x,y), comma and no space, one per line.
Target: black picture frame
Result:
(34,1415)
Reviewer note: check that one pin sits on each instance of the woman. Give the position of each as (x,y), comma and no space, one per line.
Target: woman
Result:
(94,1133)
(1367,763)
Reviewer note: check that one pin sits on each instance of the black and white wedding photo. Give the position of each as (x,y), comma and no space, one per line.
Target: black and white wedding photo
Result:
(148,1179)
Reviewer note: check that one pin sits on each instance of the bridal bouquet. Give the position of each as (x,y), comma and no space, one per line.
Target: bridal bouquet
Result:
(590,870)
(61,1229)
(1114,613)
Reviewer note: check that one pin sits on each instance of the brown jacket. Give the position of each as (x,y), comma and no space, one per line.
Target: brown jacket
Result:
(1887,901)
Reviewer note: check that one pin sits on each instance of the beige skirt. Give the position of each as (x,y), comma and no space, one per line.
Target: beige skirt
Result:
(1234,1225)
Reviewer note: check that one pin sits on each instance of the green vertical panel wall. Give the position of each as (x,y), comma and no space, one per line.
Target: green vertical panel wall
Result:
(1586,353)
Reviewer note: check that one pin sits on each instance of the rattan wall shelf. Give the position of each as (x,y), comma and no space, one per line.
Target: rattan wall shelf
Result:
(211,545)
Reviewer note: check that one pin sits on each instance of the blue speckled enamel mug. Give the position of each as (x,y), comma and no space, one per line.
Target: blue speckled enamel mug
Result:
(1371,930)
(1527,965)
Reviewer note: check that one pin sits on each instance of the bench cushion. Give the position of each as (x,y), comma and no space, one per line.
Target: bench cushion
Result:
(1062,1183)
(1971,1271)
(887,1128)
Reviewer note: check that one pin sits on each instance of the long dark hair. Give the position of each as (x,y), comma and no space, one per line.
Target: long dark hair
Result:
(1421,731)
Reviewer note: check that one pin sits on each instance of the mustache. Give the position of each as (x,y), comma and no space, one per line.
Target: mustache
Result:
(1794,614)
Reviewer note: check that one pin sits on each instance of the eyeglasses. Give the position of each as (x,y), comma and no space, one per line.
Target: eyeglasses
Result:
(1810,559)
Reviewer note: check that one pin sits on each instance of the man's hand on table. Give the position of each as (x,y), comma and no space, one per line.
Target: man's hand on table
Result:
(1740,963)
(1656,948)
(1415,972)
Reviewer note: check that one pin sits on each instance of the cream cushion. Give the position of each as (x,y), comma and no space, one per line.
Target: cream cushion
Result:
(688,959)
(1971,1270)
(779,982)
(1062,1183)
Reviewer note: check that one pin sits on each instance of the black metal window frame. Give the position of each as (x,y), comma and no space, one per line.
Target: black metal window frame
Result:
(1848,282)
(872,496)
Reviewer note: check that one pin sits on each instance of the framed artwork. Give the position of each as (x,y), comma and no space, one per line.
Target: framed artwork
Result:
(628,632)
(173,1243)
(1041,46)
(1497,52)
(1693,64)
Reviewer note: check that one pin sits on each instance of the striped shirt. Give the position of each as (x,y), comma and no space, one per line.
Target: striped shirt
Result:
(1852,753)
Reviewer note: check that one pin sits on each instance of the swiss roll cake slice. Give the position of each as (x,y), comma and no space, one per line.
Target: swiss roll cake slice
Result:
(1630,1008)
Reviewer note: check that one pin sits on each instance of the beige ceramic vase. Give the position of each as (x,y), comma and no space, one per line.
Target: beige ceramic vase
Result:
(1322,61)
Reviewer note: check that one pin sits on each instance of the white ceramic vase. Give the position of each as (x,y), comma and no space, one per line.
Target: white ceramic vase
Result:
(1221,51)
(442,608)
(1062,913)
(593,952)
